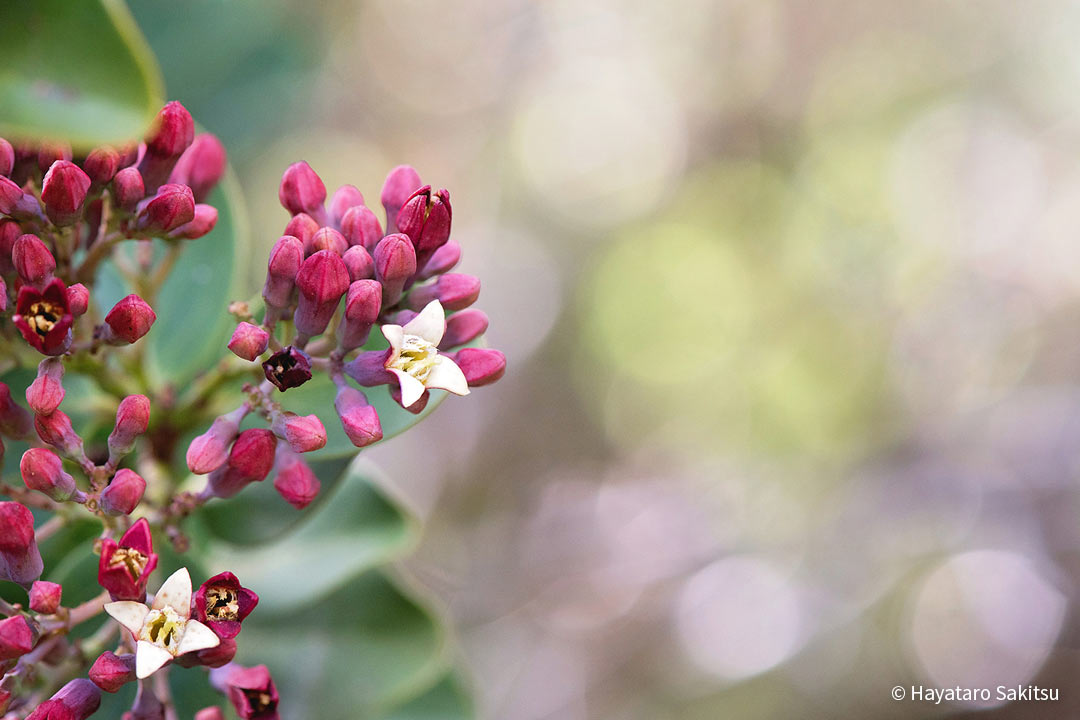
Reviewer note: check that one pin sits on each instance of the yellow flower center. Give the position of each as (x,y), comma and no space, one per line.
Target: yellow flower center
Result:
(417,357)
(164,628)
(43,317)
(222,603)
(132,560)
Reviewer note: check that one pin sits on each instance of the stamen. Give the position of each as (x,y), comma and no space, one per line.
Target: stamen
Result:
(222,604)
(163,628)
(132,560)
(417,357)
(43,317)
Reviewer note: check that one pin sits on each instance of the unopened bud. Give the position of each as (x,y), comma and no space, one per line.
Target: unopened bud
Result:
(111,672)
(395,263)
(55,430)
(43,471)
(463,327)
(63,191)
(206,217)
(47,391)
(455,291)
(171,134)
(101,165)
(302,191)
(210,713)
(358,418)
(369,369)
(442,260)
(171,207)
(304,433)
(52,152)
(425,218)
(132,419)
(345,198)
(327,239)
(33,260)
(250,460)
(7,157)
(78,298)
(10,231)
(400,184)
(249,341)
(294,481)
(322,280)
(201,166)
(129,320)
(303,227)
(16,637)
(77,700)
(481,366)
(128,188)
(15,421)
(45,597)
(20,560)
(363,302)
(10,195)
(359,263)
(360,227)
(285,259)
(123,494)
(210,450)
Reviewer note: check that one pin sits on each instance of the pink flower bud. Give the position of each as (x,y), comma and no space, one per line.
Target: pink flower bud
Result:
(3,295)
(345,198)
(171,134)
(7,157)
(47,391)
(463,327)
(210,713)
(302,191)
(218,656)
(205,219)
(33,260)
(123,494)
(425,218)
(52,152)
(454,290)
(43,471)
(171,207)
(288,368)
(362,305)
(20,560)
(129,320)
(249,341)
(322,280)
(10,231)
(327,239)
(201,166)
(281,270)
(222,603)
(45,597)
(250,460)
(304,433)
(358,418)
(360,227)
(210,450)
(442,260)
(43,317)
(128,188)
(359,263)
(369,369)
(395,263)
(10,195)
(15,421)
(400,184)
(132,419)
(78,298)
(16,637)
(55,430)
(63,191)
(252,693)
(482,366)
(101,165)
(111,672)
(77,700)
(294,480)
(417,407)
(303,227)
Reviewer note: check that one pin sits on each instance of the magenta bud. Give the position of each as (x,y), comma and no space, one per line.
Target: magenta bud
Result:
(288,368)
(395,263)
(302,191)
(442,260)
(172,132)
(78,298)
(345,198)
(294,480)
(417,407)
(369,369)
(302,227)
(249,341)
(55,430)
(171,207)
(3,295)
(322,280)
(43,471)
(10,231)
(463,327)
(111,672)
(210,450)
(63,191)
(327,239)
(400,184)
(123,494)
(358,418)
(47,391)
(481,366)
(7,157)
(52,152)
(250,460)
(20,560)
(201,166)
(218,656)
(205,219)
(455,291)
(285,259)
(10,195)
(210,713)
(15,421)
(132,419)
(33,260)
(101,165)
(129,320)
(45,597)
(359,263)
(128,188)
(363,302)
(77,700)
(304,433)
(16,637)
(425,218)
(360,227)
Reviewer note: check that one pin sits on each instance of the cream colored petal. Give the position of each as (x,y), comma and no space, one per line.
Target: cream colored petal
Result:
(395,335)
(411,388)
(129,614)
(149,658)
(430,324)
(196,637)
(176,593)
(446,375)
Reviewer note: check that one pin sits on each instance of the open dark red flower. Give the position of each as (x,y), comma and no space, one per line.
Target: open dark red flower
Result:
(44,317)
(222,603)
(125,567)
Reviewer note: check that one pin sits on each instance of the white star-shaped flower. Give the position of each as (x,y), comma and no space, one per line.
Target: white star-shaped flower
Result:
(415,359)
(165,629)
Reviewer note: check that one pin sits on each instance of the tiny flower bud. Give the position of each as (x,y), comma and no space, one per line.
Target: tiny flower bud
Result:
(222,603)
(210,713)
(360,227)
(304,433)
(43,471)
(171,134)
(44,318)
(63,191)
(45,597)
(249,341)
(454,290)
(303,227)
(322,280)
(425,218)
(328,239)
(288,368)
(16,637)
(281,269)
(55,430)
(125,567)
(3,295)
(10,231)
(10,195)
(171,207)
(463,327)
(111,672)
(132,419)
(77,700)
(250,460)
(123,494)
(33,260)
(302,191)
(101,165)
(481,366)
(210,450)
(395,263)
(20,560)
(218,656)
(205,219)
(7,157)
(252,693)
(294,480)
(78,298)
(47,391)
(359,264)
(442,260)
(128,188)
(52,152)
(362,305)
(201,166)
(400,184)
(345,198)
(15,421)
(358,418)
(369,369)
(129,320)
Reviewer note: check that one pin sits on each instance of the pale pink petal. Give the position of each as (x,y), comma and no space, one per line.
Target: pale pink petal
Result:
(175,592)
(430,324)
(446,375)
(149,658)
(411,388)
(395,335)
(129,614)
(196,637)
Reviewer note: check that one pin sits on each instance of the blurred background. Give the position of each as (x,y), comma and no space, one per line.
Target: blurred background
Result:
(789,292)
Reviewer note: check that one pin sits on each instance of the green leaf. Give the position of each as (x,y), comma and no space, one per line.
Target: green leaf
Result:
(447,699)
(79,71)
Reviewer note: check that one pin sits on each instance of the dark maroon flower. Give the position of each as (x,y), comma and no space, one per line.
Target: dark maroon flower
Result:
(44,318)
(288,368)
(222,603)
(125,567)
(252,693)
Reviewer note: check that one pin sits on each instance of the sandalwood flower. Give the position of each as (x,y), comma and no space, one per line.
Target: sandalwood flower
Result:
(415,359)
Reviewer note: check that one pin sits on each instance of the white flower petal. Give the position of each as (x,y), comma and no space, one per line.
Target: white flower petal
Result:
(395,335)
(129,614)
(430,324)
(176,593)
(411,388)
(446,375)
(149,658)
(196,637)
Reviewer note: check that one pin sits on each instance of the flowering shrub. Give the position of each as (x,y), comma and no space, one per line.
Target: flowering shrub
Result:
(359,317)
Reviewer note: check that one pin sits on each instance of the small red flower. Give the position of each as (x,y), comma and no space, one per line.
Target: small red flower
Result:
(44,318)
(125,567)
(222,603)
